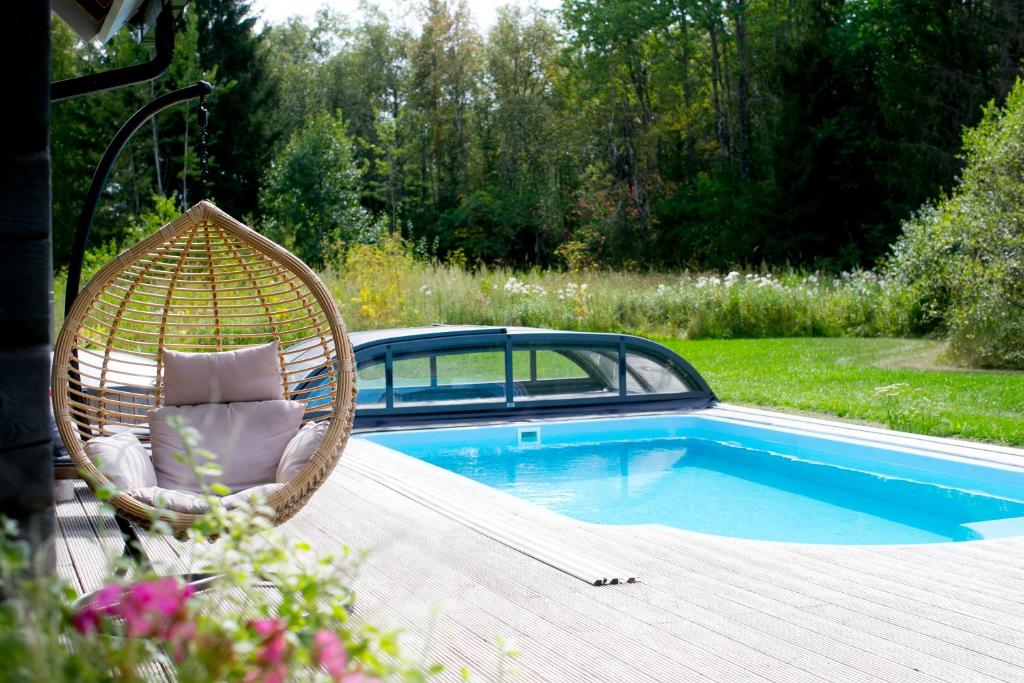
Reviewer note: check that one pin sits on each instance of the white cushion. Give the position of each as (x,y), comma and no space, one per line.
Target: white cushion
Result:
(251,374)
(168,499)
(183,501)
(247,496)
(123,459)
(300,449)
(248,439)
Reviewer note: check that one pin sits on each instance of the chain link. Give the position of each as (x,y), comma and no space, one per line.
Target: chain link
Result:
(204,154)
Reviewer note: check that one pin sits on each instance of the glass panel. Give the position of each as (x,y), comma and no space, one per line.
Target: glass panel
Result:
(649,374)
(537,364)
(554,371)
(370,382)
(411,372)
(445,377)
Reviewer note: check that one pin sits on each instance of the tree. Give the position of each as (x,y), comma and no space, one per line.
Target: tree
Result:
(242,132)
(526,118)
(444,65)
(964,255)
(370,83)
(311,193)
(616,44)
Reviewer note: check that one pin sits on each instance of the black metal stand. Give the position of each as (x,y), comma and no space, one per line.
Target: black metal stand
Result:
(132,543)
(99,178)
(130,75)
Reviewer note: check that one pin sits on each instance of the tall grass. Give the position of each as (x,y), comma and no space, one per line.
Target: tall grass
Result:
(384,286)
(386,291)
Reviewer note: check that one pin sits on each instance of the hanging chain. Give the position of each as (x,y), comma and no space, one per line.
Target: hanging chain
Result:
(204,154)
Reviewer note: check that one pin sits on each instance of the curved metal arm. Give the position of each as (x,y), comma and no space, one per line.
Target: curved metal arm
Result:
(99,178)
(130,75)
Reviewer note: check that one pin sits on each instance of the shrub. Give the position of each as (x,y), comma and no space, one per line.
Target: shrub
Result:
(311,193)
(378,277)
(963,257)
(277,612)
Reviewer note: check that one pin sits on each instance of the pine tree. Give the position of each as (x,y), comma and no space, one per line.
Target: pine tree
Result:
(241,136)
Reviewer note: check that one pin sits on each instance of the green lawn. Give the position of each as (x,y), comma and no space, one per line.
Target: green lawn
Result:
(839,377)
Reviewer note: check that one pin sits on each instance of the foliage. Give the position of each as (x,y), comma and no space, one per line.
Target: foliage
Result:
(663,135)
(751,304)
(896,382)
(964,256)
(238,629)
(243,136)
(311,193)
(378,275)
(908,410)
(159,160)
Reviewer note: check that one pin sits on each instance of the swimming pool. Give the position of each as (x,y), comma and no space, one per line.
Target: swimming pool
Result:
(730,478)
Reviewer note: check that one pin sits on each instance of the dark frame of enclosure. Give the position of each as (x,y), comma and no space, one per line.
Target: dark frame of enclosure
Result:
(384,349)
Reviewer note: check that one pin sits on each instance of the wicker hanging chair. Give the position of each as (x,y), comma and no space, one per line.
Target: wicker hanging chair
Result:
(204,282)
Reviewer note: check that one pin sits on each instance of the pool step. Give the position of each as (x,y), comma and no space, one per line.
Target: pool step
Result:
(998,528)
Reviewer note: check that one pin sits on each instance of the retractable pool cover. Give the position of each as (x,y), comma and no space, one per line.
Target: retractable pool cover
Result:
(448,374)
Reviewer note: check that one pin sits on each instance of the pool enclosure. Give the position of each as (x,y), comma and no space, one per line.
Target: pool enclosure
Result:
(448,374)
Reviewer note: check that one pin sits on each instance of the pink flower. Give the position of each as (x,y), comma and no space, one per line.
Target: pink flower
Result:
(274,673)
(104,603)
(272,653)
(107,599)
(148,608)
(152,608)
(358,677)
(274,644)
(179,635)
(86,620)
(329,652)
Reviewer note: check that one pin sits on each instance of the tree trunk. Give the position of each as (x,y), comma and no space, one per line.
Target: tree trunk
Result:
(712,25)
(742,89)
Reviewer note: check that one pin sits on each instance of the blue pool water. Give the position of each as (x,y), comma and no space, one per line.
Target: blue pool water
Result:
(730,479)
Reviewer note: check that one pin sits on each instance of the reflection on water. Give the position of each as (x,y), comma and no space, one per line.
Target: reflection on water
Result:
(724,489)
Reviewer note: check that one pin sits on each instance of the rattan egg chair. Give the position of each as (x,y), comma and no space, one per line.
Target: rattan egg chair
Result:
(204,282)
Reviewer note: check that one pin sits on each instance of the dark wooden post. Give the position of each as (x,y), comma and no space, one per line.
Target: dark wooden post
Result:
(26,459)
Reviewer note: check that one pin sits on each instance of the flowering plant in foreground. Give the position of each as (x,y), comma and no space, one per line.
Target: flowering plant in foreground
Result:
(276,612)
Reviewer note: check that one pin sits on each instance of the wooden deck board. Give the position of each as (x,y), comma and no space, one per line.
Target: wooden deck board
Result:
(707,608)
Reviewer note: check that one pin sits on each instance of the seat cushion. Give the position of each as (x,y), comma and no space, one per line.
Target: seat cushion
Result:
(183,501)
(123,459)
(248,439)
(260,493)
(300,449)
(169,499)
(252,374)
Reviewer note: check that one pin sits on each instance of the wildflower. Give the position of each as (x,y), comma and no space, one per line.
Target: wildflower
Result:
(517,287)
(86,620)
(272,652)
(153,608)
(329,653)
(896,390)
(358,677)
(149,609)
(425,290)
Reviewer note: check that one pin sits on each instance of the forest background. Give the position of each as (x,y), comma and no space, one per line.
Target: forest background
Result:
(689,168)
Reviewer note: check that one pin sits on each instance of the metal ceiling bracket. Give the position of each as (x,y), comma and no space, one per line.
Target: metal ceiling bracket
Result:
(130,75)
(99,178)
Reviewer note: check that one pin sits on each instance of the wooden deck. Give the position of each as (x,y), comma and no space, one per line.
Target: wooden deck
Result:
(705,608)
